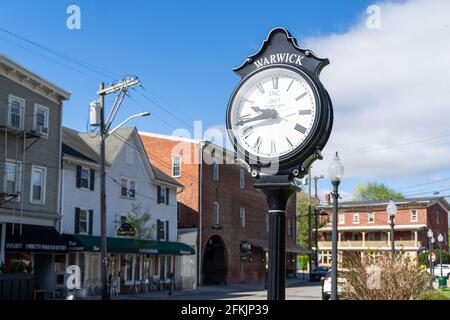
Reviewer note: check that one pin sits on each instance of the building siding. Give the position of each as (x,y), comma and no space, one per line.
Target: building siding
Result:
(44,152)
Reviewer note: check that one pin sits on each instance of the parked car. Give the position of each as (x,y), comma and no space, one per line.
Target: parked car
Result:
(318,273)
(326,286)
(445,270)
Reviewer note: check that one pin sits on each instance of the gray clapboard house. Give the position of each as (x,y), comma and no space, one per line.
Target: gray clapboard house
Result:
(30,148)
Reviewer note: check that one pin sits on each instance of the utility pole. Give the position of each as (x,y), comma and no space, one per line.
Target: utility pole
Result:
(316,216)
(103,243)
(309,223)
(104,133)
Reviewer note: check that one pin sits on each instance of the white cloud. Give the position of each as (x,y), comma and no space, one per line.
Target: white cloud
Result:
(390,87)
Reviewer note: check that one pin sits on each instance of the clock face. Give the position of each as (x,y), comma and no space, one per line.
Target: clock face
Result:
(273,112)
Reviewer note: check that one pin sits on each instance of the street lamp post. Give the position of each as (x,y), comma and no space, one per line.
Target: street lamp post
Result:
(335,172)
(440,239)
(392,210)
(430,249)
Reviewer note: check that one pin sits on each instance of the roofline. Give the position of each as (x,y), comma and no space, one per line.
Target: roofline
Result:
(353,204)
(378,227)
(64,94)
(169,137)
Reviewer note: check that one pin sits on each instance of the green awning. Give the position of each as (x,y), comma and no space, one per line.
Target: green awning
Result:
(78,242)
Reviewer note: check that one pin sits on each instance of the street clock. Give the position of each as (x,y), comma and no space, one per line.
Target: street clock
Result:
(280,115)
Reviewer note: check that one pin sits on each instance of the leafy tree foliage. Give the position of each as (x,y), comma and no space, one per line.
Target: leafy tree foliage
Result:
(372,191)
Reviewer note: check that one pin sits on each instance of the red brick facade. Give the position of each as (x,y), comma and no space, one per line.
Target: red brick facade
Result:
(367,225)
(199,183)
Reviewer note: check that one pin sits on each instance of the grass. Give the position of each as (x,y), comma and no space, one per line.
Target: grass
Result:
(446,291)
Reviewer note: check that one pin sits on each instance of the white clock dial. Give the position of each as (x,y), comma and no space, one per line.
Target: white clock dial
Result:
(273,112)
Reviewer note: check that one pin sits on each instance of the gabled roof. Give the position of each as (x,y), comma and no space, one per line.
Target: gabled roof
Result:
(86,146)
(428,201)
(74,146)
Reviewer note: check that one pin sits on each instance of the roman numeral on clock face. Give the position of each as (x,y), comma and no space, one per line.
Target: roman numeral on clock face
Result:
(300,96)
(300,128)
(304,112)
(273,148)
(275,83)
(260,88)
(247,131)
(257,143)
(289,141)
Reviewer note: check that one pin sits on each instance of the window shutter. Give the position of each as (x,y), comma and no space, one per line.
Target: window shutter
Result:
(158,229)
(91,220)
(157,195)
(92,178)
(167,230)
(77,221)
(167,196)
(78,176)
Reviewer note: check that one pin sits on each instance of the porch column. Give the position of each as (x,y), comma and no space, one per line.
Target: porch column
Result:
(363,238)
(415,238)
(339,239)
(388,236)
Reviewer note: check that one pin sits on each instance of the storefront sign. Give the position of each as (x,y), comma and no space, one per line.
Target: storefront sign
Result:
(126,229)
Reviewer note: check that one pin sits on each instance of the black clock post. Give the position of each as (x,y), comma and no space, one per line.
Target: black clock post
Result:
(277,173)
(278,190)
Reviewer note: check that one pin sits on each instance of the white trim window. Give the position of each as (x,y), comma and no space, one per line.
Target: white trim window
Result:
(413,214)
(242,217)
(83,221)
(216,213)
(341,218)
(38,184)
(40,124)
(85,178)
(129,154)
(127,187)
(356,218)
(16,110)
(242,178)
(371,217)
(176,166)
(216,170)
(13,176)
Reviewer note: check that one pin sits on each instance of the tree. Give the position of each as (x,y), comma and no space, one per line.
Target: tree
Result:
(140,222)
(372,191)
(302,219)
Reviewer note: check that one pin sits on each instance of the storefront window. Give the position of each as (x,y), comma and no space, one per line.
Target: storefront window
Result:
(137,268)
(128,267)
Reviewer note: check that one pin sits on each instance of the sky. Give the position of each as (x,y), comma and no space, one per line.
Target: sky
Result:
(388,77)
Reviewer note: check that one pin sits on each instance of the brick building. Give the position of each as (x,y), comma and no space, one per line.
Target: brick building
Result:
(366,225)
(219,200)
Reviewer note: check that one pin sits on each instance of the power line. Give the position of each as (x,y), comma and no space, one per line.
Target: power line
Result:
(423,184)
(64,56)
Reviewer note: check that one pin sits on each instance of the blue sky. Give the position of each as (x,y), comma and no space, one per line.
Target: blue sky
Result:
(182,51)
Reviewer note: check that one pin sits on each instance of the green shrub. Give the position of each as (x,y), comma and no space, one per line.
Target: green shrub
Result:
(424,256)
(303,262)
(434,295)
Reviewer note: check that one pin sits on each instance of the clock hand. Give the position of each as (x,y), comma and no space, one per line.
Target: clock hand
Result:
(266,114)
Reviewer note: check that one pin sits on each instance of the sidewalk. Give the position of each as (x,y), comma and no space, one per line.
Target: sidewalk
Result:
(203,292)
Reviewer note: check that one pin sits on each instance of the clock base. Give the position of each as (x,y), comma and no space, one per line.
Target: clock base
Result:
(278,190)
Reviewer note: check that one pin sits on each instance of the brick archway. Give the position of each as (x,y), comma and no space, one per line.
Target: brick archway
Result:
(215,261)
